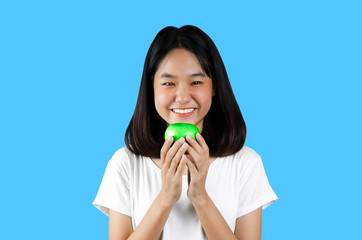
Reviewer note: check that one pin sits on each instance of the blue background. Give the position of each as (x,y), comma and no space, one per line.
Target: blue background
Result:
(70,73)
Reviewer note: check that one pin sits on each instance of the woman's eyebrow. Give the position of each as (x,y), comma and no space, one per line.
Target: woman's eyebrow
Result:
(199,74)
(168,75)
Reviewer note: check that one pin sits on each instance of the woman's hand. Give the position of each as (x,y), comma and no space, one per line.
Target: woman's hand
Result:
(173,163)
(198,162)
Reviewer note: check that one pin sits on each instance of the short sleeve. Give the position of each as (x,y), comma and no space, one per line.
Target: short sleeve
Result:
(114,192)
(254,188)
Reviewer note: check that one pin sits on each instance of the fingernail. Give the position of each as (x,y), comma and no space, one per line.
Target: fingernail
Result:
(181,140)
(169,138)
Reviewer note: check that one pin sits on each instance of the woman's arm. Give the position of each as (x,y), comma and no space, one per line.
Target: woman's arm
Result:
(198,162)
(247,227)
(120,226)
(117,219)
(215,227)
(212,221)
(173,163)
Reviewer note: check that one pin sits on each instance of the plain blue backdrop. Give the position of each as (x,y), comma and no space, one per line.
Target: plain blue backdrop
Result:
(70,73)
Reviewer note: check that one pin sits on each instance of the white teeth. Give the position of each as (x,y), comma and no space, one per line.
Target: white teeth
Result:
(183,110)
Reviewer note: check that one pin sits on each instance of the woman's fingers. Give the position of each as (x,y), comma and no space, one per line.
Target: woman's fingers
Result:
(172,151)
(176,159)
(192,167)
(192,154)
(201,141)
(194,144)
(166,146)
(172,168)
(181,167)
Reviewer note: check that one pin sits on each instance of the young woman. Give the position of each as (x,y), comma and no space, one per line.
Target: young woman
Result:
(213,187)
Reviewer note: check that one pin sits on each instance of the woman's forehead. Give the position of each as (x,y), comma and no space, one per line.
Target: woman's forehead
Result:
(179,61)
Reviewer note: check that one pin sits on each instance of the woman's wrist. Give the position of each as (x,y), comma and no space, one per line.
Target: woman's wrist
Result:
(200,200)
(165,200)
(154,220)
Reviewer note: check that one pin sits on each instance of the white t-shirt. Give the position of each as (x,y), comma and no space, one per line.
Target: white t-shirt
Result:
(237,184)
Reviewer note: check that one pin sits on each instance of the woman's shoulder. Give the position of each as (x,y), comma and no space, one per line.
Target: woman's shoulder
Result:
(245,153)
(239,163)
(246,156)
(122,157)
(124,151)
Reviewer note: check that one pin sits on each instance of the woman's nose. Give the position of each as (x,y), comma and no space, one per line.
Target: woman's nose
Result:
(182,95)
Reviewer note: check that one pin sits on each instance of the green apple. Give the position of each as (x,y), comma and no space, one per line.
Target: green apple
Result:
(179,130)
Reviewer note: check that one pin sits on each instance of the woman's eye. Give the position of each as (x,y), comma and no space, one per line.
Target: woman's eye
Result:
(196,82)
(172,84)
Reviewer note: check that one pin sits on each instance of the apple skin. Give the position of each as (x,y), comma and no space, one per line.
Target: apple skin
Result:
(179,130)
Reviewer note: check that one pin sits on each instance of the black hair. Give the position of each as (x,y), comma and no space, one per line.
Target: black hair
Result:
(224,129)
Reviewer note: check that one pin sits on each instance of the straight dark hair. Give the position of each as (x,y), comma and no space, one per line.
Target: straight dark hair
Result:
(224,129)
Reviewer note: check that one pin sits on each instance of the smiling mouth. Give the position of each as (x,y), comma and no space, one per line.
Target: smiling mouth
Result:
(183,112)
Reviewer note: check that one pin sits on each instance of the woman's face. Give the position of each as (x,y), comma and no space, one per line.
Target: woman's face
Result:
(183,91)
